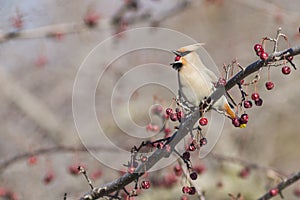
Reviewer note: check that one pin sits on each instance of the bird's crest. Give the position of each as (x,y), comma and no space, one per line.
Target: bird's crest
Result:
(191,48)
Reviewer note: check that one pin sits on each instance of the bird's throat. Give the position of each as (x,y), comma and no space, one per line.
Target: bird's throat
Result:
(177,66)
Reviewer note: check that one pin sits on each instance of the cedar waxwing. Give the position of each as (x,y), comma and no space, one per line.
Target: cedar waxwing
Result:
(196,81)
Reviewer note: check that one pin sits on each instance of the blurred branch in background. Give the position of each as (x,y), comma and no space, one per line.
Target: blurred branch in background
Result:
(93,21)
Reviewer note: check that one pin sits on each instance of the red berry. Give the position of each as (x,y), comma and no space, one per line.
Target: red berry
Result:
(168,148)
(149,127)
(169,111)
(219,184)
(145,184)
(3,192)
(48,178)
(258,47)
(264,56)
(242,81)
(97,174)
(258,53)
(186,155)
(244,119)
(193,175)
(177,58)
(178,170)
(169,180)
(17,21)
(273,192)
(221,82)
(41,61)
(180,115)
(173,117)
(157,109)
(192,147)
(255,96)
(244,173)
(159,145)
(203,141)
(32,160)
(155,128)
(247,104)
(290,58)
(73,169)
(186,189)
(286,70)
(144,158)
(269,85)
(297,192)
(203,121)
(184,197)
(199,169)
(236,122)
(166,116)
(192,191)
(167,130)
(91,19)
(259,102)
(130,170)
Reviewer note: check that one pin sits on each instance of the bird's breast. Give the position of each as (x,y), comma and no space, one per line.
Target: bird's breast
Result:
(194,85)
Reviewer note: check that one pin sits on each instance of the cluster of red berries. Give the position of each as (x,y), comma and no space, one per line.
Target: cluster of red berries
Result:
(256,98)
(91,18)
(7,194)
(189,190)
(152,127)
(264,56)
(145,184)
(241,122)
(261,52)
(174,116)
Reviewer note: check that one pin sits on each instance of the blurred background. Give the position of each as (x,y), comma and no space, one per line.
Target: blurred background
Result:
(43,44)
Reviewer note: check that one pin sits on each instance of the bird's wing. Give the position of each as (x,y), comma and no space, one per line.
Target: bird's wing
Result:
(211,75)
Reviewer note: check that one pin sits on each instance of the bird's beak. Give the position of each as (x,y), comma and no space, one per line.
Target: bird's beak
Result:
(177,53)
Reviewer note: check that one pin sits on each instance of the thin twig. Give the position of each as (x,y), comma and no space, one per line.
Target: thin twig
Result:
(246,163)
(83,171)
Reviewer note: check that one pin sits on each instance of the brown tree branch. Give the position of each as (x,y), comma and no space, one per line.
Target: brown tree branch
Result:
(184,128)
(281,186)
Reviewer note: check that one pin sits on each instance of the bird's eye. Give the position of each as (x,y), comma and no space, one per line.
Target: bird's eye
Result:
(177,58)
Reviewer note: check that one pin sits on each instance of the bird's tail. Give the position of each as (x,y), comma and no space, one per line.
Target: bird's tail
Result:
(229,112)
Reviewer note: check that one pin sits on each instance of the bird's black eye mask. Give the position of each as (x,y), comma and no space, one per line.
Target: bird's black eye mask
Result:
(177,64)
(181,54)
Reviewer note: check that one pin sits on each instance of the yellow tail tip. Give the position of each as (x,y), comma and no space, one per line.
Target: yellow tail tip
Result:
(243,125)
